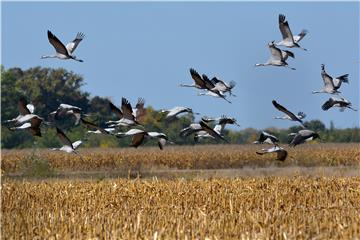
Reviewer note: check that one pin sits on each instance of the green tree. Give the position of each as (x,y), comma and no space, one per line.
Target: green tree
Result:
(46,88)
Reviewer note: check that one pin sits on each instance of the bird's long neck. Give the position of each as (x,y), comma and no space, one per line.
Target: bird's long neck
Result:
(49,56)
(262,64)
(186,85)
(321,91)
(283,117)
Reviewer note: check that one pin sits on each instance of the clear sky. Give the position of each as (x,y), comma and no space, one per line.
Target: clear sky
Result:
(145,49)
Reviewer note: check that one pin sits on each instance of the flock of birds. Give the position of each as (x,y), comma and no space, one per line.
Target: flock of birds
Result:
(131,117)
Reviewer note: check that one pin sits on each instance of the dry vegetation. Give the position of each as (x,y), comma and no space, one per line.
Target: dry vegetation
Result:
(187,157)
(252,208)
(181,207)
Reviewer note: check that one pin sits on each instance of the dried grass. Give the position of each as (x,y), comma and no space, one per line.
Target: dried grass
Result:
(251,208)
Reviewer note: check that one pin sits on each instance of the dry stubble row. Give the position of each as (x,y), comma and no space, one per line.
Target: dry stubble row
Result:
(186,157)
(261,208)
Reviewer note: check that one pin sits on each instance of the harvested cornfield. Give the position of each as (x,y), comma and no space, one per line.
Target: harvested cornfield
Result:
(184,157)
(251,208)
(195,192)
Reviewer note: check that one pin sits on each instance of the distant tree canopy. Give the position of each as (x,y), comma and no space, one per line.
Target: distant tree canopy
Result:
(46,88)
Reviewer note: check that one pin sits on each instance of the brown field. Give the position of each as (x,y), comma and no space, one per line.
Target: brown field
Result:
(200,192)
(251,208)
(187,157)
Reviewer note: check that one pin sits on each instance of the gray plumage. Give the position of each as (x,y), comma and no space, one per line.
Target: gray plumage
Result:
(341,103)
(303,136)
(331,85)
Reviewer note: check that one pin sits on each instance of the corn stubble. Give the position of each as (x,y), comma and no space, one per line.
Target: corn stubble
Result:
(251,208)
(297,207)
(186,157)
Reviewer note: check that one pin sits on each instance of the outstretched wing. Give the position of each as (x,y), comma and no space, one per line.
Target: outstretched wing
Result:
(57,44)
(212,132)
(35,126)
(22,107)
(197,78)
(116,110)
(71,46)
(300,137)
(138,139)
(140,109)
(93,125)
(285,29)
(30,107)
(208,83)
(193,128)
(76,144)
(339,80)
(276,53)
(281,155)
(63,138)
(287,53)
(287,112)
(301,35)
(36,122)
(261,138)
(219,85)
(328,104)
(327,79)
(208,119)
(140,103)
(127,109)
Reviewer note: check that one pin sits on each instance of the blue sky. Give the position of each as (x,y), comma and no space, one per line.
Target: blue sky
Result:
(146,49)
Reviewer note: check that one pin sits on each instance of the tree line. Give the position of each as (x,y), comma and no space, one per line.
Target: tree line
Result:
(46,88)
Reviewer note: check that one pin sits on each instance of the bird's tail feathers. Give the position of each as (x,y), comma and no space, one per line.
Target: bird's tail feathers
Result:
(303,32)
(232,84)
(291,54)
(344,78)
